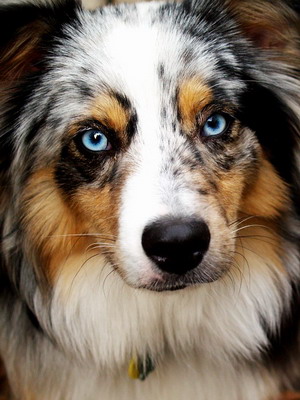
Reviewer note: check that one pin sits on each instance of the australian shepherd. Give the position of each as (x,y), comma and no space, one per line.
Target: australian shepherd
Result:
(150,200)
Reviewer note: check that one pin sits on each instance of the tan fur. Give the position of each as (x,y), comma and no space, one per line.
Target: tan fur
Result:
(290,396)
(109,112)
(268,195)
(258,246)
(49,221)
(193,96)
(230,188)
(55,227)
(100,207)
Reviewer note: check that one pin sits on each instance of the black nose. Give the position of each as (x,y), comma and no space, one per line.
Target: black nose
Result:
(176,245)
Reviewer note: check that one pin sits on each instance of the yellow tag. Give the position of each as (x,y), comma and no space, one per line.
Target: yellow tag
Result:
(133,369)
(140,369)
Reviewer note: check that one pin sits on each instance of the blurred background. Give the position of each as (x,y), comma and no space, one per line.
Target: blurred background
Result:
(87,3)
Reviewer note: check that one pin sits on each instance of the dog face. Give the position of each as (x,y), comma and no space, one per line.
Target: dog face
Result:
(145,134)
(150,146)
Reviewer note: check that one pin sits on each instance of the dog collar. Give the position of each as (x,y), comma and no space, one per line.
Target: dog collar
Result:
(140,369)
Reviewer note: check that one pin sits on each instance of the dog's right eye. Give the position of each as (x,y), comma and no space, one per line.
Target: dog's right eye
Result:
(93,140)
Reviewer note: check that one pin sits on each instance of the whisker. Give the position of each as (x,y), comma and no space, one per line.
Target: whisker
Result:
(81,267)
(107,276)
(261,238)
(100,245)
(108,236)
(253,226)
(242,220)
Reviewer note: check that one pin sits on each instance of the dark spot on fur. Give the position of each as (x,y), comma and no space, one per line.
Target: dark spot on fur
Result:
(163,113)
(74,170)
(226,69)
(161,71)
(213,185)
(188,55)
(132,126)
(33,319)
(176,172)
(83,89)
(123,100)
(225,162)
(203,192)
(35,127)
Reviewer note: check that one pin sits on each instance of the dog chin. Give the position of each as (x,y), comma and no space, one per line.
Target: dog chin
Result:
(172,282)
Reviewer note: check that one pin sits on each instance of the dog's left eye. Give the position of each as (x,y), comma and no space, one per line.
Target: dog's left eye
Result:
(216,125)
(95,141)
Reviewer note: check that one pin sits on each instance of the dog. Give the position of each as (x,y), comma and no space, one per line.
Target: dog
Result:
(150,214)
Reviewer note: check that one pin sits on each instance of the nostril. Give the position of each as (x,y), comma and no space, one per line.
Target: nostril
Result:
(176,245)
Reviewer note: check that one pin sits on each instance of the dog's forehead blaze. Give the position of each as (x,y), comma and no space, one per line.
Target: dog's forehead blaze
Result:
(58,229)
(106,109)
(193,95)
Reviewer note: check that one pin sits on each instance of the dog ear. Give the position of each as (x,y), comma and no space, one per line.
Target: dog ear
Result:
(24,31)
(28,31)
(270,24)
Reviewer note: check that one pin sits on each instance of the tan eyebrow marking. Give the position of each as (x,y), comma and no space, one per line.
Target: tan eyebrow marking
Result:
(193,95)
(107,109)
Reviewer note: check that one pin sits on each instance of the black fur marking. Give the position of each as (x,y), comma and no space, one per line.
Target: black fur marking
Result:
(203,192)
(197,156)
(131,126)
(262,112)
(83,89)
(123,100)
(164,80)
(22,93)
(132,123)
(274,126)
(73,172)
(33,319)
(6,153)
(226,162)
(188,56)
(226,69)
(218,91)
(161,71)
(163,113)
(36,126)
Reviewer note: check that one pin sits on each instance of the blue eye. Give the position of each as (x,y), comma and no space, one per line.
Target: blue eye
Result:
(95,141)
(215,125)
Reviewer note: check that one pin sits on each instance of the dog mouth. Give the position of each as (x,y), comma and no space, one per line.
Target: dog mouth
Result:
(173,282)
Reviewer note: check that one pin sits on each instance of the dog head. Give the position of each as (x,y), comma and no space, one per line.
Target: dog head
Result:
(144,135)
